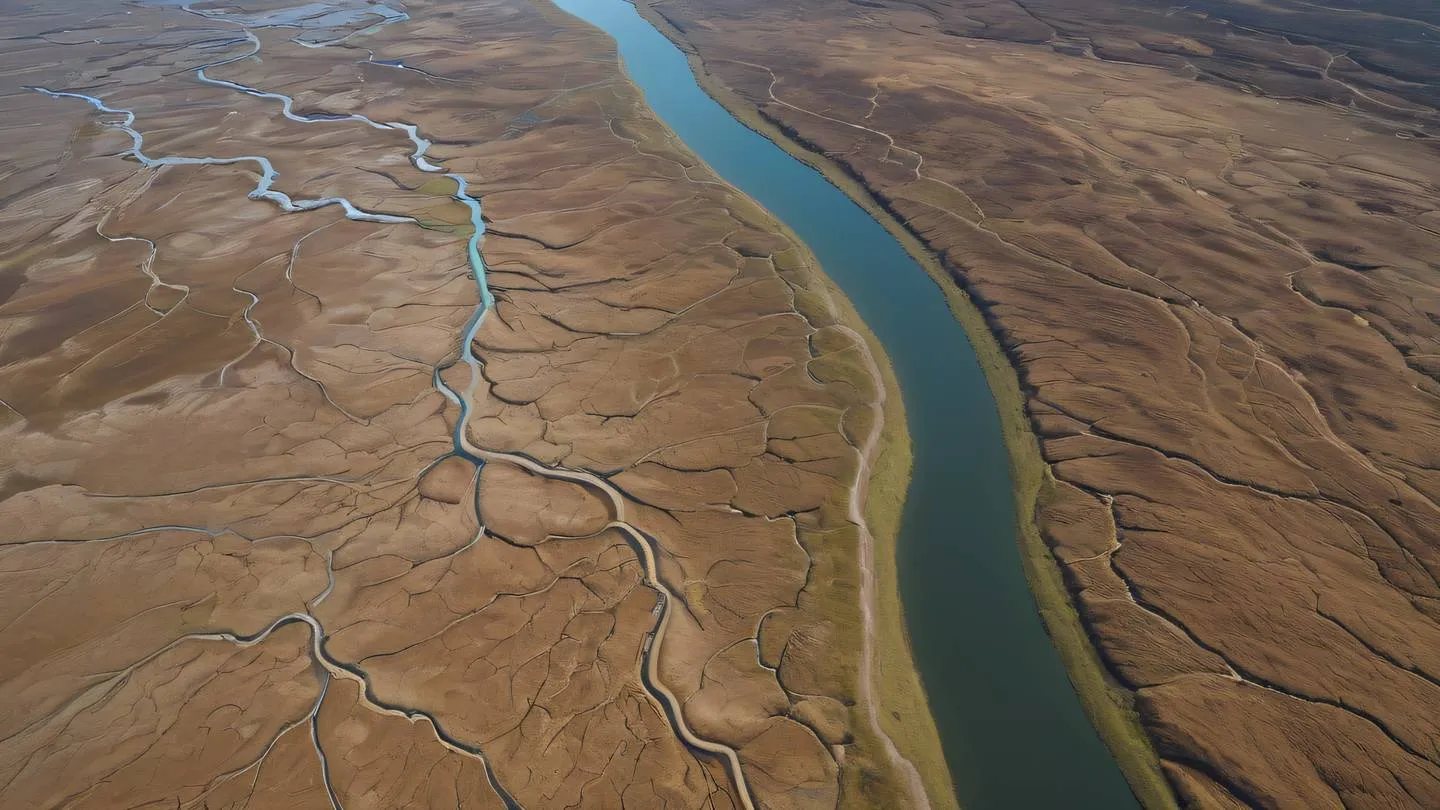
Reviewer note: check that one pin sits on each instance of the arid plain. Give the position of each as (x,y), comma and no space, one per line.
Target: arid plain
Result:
(249,560)
(1206,238)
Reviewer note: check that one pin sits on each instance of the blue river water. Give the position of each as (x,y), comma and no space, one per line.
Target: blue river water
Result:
(1014,733)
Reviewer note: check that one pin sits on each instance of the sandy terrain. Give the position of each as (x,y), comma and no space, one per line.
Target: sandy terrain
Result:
(1206,238)
(244,564)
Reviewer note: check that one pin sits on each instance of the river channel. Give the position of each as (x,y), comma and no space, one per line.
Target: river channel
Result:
(1014,733)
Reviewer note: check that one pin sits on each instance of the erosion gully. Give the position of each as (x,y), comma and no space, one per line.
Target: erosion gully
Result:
(1013,731)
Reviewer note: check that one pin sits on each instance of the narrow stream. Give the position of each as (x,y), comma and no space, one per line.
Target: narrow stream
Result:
(1014,733)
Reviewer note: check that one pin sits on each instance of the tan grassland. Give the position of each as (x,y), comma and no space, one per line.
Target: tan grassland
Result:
(1205,250)
(1109,705)
(244,564)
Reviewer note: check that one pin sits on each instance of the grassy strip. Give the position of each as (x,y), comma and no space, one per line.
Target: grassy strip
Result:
(903,710)
(906,719)
(1108,704)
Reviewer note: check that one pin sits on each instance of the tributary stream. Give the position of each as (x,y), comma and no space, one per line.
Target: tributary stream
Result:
(1014,733)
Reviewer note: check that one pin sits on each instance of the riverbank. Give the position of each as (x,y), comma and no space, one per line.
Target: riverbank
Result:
(880,489)
(887,725)
(901,712)
(894,734)
(1107,703)
(898,695)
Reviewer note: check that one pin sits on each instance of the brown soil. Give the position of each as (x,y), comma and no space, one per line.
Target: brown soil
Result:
(242,565)
(1206,238)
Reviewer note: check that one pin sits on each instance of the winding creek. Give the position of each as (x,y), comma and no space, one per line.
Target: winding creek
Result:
(1014,733)
(1013,730)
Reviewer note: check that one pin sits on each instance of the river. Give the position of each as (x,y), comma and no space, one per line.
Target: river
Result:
(1014,733)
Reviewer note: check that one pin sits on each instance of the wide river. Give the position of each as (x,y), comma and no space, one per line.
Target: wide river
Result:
(1015,736)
